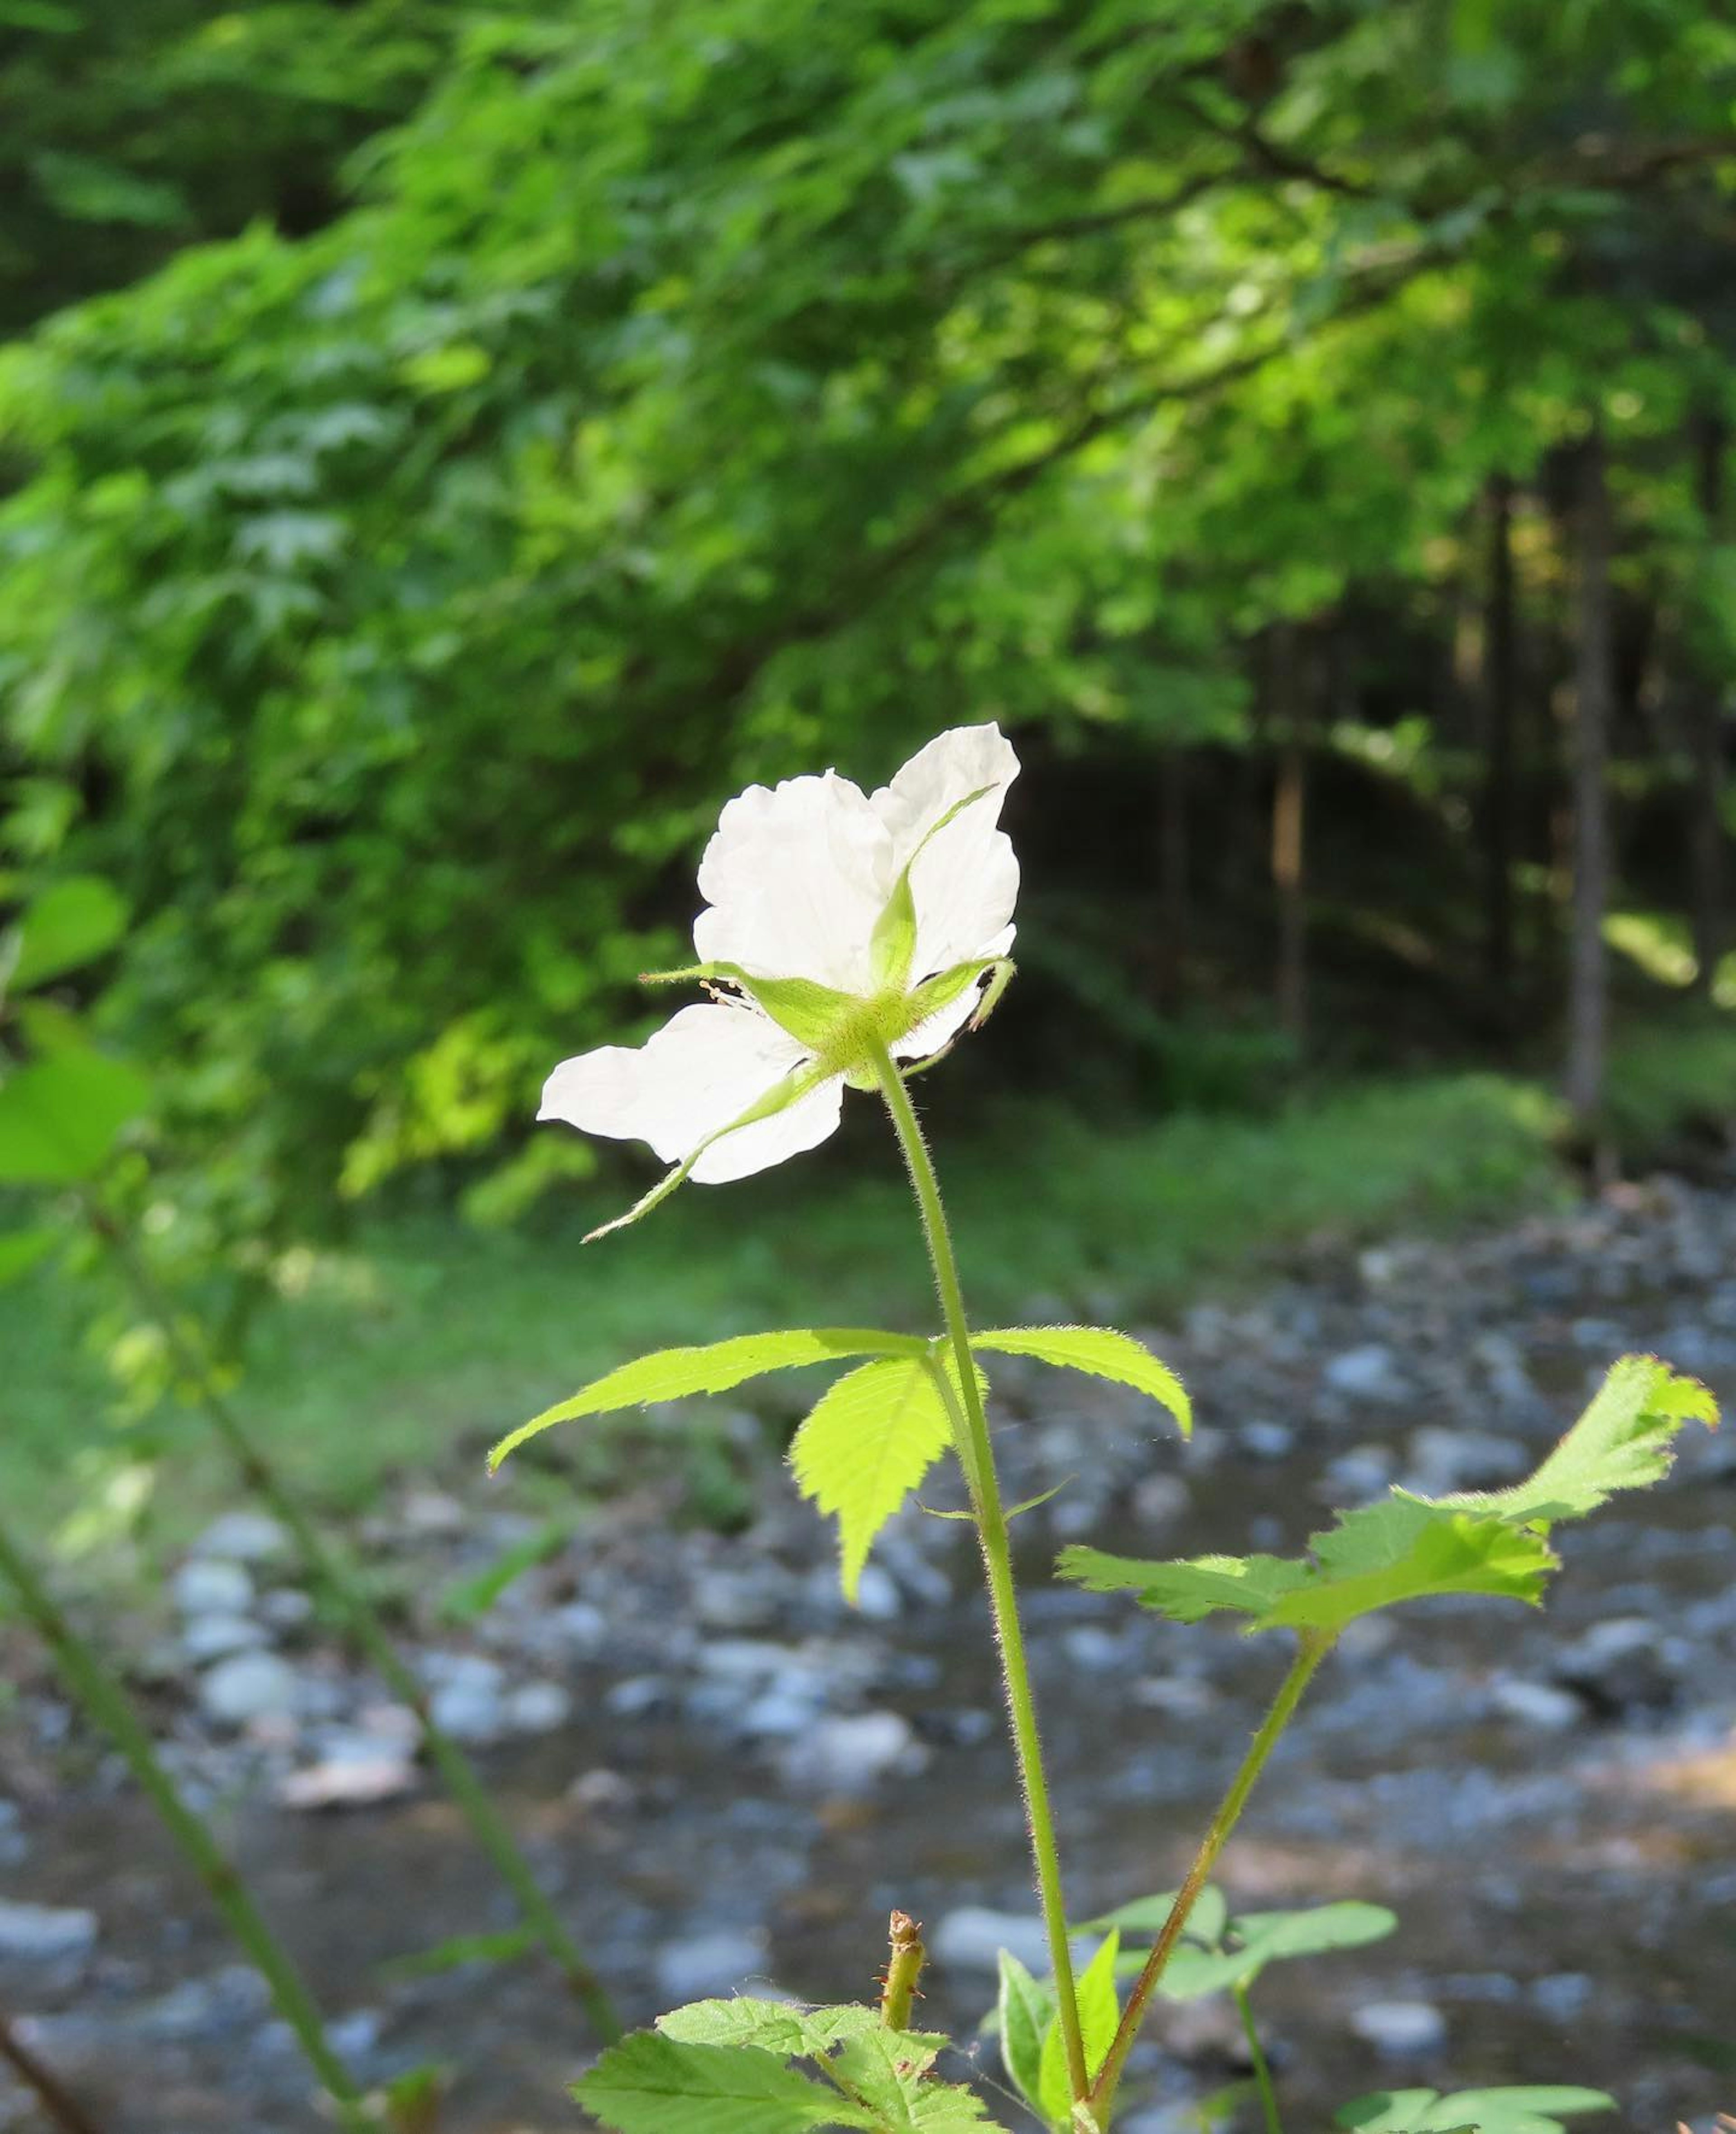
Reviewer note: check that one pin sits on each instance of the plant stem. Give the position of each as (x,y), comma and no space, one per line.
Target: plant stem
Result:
(340,1588)
(57,2101)
(107,1703)
(977,1455)
(1263,2068)
(1314,1647)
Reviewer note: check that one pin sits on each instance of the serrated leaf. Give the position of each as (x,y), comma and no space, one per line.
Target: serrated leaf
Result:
(1100,2010)
(652,2084)
(868,1443)
(1026,2011)
(774,2027)
(1623,1441)
(889,2072)
(1524,2109)
(20,1250)
(1188,1591)
(1100,1352)
(673,1373)
(1402,1549)
(73,922)
(60,1117)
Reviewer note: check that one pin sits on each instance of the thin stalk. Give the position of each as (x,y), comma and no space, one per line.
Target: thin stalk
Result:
(977,1455)
(57,2101)
(1262,2066)
(334,1579)
(1314,1647)
(107,1703)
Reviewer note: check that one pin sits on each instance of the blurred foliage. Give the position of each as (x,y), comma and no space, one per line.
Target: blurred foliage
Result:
(389,593)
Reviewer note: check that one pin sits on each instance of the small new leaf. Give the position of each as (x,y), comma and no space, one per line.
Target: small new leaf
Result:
(1250,1942)
(867,1444)
(1624,1440)
(653,2084)
(1103,1354)
(673,1373)
(1099,2012)
(1026,2012)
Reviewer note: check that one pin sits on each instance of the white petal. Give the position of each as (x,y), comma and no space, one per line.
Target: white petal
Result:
(799,1127)
(965,878)
(796,878)
(705,1067)
(936,778)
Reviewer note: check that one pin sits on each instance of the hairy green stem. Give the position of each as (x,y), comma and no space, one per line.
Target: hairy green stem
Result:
(1262,2066)
(1314,1647)
(57,2101)
(341,1589)
(107,1703)
(977,1456)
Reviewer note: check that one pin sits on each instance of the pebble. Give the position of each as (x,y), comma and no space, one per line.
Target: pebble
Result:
(716,1962)
(1399,2028)
(1537,1704)
(849,1755)
(1369,1373)
(248,1687)
(971,1938)
(1444,1461)
(877,1595)
(213,1586)
(1620,1666)
(538,1707)
(244,1537)
(208,1637)
(45,1934)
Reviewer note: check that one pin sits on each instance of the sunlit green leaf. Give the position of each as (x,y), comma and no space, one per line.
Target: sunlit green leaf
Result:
(674,1373)
(774,2027)
(1099,1351)
(1099,2012)
(652,2084)
(1025,2011)
(59,1118)
(72,922)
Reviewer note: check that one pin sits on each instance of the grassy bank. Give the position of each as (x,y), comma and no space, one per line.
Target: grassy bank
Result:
(409,1351)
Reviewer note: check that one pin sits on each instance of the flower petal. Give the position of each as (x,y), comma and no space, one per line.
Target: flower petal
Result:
(704,1068)
(964,879)
(797,1128)
(795,877)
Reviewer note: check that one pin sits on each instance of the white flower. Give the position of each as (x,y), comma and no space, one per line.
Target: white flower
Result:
(841,923)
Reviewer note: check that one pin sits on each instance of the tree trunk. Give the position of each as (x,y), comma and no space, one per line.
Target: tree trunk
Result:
(1593,697)
(1705,713)
(1173,903)
(1498,693)
(1288,697)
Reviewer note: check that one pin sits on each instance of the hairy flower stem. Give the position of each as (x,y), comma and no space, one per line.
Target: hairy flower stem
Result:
(1262,2066)
(977,1456)
(341,1589)
(107,1703)
(1315,1645)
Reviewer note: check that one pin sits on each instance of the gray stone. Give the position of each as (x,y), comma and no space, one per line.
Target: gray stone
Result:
(244,1537)
(1094,1650)
(1442,1461)
(1399,2028)
(1159,1498)
(1538,1705)
(1563,1995)
(1367,1372)
(200,2007)
(249,1687)
(1267,1441)
(583,1626)
(877,1595)
(847,1755)
(538,1707)
(45,1934)
(213,1586)
(1620,1666)
(716,1961)
(13,1845)
(286,1608)
(637,1697)
(736,1600)
(971,1938)
(208,1637)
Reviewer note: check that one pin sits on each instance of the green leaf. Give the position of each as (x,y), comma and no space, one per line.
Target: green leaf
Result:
(868,1443)
(21,1249)
(1026,2011)
(1624,1440)
(773,2026)
(453,1954)
(673,1373)
(652,2084)
(888,2071)
(467,1598)
(1524,2109)
(1188,1591)
(1258,1938)
(1101,1351)
(60,1117)
(71,923)
(1146,1916)
(1100,2010)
